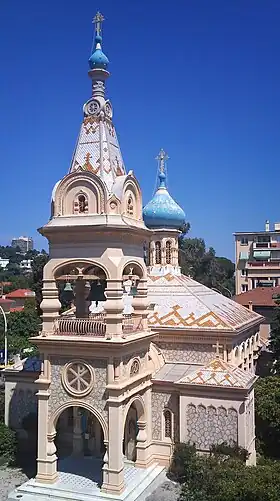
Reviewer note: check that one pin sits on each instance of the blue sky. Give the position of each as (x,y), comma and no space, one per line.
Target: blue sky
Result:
(199,78)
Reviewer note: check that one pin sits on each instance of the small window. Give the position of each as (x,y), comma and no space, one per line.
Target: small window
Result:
(130,208)
(168,252)
(83,205)
(244,241)
(167,423)
(244,272)
(244,287)
(158,252)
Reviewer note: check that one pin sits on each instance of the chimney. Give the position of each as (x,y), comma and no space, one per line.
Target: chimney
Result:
(267,225)
(250,305)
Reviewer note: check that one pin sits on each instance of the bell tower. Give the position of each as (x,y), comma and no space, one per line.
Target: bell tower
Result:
(165,218)
(95,357)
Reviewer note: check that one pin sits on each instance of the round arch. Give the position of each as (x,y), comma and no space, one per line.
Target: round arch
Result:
(138,401)
(83,262)
(135,264)
(78,403)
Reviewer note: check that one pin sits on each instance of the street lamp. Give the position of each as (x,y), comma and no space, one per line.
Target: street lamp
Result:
(5,337)
(5,306)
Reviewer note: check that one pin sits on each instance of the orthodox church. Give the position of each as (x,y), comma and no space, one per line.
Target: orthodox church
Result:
(145,356)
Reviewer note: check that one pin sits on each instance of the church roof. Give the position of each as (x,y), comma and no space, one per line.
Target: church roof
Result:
(182,303)
(219,373)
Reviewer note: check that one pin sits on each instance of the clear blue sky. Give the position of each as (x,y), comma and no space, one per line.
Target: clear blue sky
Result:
(199,78)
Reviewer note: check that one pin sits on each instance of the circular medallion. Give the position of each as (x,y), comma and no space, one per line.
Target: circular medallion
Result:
(92,107)
(78,378)
(135,367)
(108,109)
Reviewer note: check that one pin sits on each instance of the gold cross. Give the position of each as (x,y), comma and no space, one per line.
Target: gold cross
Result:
(217,346)
(162,157)
(98,20)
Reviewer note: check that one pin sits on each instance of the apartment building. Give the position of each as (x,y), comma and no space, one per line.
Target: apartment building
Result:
(24,243)
(257,258)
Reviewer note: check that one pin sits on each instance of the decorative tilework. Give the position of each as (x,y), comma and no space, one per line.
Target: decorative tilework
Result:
(183,303)
(220,373)
(187,352)
(159,401)
(96,397)
(207,426)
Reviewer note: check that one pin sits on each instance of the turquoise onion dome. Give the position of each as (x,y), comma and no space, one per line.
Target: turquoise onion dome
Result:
(162,211)
(98,60)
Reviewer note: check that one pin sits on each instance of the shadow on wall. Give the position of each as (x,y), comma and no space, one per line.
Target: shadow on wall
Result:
(22,415)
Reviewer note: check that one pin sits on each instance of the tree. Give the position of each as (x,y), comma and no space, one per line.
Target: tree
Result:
(267,403)
(274,343)
(21,326)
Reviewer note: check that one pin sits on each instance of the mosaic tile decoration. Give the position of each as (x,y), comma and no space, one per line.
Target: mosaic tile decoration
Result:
(182,302)
(219,373)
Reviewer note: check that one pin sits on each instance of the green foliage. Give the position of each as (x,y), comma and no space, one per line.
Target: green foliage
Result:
(267,404)
(204,266)
(219,477)
(274,344)
(8,444)
(224,451)
(21,326)
(37,276)
(2,404)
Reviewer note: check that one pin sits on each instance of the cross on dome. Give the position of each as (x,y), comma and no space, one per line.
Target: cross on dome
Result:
(97,21)
(217,346)
(162,158)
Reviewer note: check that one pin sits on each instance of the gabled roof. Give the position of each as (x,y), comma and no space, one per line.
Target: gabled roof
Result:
(260,296)
(220,373)
(182,303)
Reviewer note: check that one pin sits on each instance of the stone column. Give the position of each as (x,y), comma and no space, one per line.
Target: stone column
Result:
(78,441)
(46,458)
(144,436)
(113,474)
(140,302)
(50,306)
(81,293)
(114,308)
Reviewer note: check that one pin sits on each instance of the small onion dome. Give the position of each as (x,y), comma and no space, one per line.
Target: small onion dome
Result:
(98,60)
(162,211)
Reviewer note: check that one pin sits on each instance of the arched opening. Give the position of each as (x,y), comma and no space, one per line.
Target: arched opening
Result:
(83,204)
(80,438)
(167,416)
(134,430)
(158,252)
(168,252)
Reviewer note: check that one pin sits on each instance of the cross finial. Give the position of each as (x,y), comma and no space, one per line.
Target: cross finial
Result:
(97,21)
(162,157)
(217,346)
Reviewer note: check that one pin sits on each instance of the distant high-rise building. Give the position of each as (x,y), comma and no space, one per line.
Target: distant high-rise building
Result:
(24,243)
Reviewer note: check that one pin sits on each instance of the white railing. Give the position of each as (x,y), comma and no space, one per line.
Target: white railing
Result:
(95,325)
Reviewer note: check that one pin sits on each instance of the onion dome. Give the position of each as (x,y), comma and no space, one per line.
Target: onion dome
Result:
(98,60)
(162,211)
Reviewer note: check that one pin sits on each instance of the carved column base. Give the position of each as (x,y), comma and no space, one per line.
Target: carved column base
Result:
(46,470)
(114,483)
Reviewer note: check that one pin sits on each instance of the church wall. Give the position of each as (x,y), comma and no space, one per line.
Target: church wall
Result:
(59,395)
(161,401)
(206,421)
(20,400)
(187,352)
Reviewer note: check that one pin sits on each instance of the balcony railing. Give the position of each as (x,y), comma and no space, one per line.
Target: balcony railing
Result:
(263,264)
(94,326)
(266,245)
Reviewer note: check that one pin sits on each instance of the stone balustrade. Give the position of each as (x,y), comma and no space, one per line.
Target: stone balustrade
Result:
(95,325)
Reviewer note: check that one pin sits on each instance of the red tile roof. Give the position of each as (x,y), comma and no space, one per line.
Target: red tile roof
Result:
(261,296)
(17,308)
(20,293)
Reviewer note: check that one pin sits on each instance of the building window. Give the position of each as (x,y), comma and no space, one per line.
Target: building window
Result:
(244,272)
(81,205)
(244,241)
(129,208)
(158,252)
(168,252)
(244,287)
(167,415)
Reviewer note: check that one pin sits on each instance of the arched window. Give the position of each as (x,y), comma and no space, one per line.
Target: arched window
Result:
(167,423)
(129,207)
(82,204)
(168,252)
(158,252)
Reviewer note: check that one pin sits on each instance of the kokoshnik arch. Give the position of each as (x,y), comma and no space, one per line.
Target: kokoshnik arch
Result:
(144,356)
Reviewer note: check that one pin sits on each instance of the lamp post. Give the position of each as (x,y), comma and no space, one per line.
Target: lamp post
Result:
(5,337)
